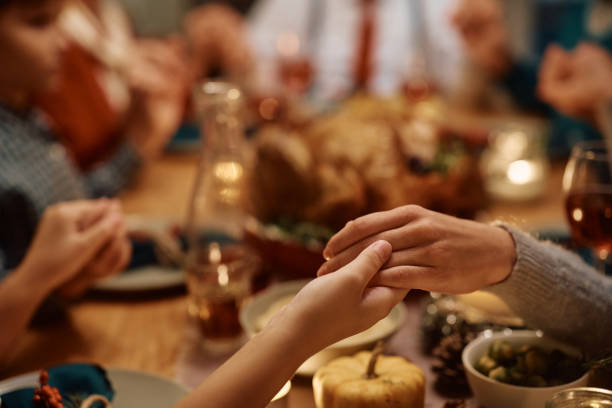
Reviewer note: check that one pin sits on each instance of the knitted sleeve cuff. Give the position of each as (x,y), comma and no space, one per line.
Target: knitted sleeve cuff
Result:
(530,277)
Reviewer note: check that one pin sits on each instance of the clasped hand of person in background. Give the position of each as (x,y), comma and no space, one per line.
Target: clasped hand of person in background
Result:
(576,82)
(76,244)
(160,77)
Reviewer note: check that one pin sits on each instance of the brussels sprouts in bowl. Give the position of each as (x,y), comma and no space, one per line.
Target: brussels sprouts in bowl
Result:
(513,369)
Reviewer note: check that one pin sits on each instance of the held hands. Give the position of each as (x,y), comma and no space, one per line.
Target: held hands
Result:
(576,82)
(431,251)
(482,27)
(339,305)
(77,243)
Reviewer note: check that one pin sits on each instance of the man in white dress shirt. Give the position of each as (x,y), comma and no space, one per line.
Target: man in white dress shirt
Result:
(330,33)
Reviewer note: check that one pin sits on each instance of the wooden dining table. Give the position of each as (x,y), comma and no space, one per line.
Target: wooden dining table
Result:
(147,333)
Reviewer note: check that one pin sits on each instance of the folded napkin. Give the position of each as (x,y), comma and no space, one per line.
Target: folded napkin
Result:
(75,382)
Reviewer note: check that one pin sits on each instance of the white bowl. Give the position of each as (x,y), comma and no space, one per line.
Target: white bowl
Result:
(259,305)
(495,394)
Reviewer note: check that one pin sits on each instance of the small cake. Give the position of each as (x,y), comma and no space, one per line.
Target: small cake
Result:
(368,380)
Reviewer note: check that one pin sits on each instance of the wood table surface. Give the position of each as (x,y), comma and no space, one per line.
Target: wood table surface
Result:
(147,333)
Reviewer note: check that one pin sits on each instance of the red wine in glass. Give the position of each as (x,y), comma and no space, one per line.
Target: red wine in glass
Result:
(587,184)
(590,218)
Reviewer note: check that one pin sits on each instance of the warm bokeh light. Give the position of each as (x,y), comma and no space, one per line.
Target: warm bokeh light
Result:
(577,214)
(214,253)
(228,172)
(268,108)
(222,275)
(521,172)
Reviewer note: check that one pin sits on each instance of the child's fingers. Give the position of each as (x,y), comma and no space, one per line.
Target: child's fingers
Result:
(405,277)
(369,261)
(344,257)
(379,300)
(416,256)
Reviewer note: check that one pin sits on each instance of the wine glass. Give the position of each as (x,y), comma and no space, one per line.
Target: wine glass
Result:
(587,184)
(295,68)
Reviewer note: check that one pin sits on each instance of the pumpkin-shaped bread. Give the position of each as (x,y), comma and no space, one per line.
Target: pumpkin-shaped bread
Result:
(392,382)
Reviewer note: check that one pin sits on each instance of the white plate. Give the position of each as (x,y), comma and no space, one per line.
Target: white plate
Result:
(146,278)
(132,388)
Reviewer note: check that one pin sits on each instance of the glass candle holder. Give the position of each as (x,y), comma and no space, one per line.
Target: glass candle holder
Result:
(515,165)
(584,397)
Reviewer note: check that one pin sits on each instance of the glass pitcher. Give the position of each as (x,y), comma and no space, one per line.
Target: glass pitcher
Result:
(219,268)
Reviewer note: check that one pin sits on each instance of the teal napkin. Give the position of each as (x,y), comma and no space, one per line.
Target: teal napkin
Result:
(75,382)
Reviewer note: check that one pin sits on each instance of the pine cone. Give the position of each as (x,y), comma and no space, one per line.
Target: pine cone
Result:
(447,365)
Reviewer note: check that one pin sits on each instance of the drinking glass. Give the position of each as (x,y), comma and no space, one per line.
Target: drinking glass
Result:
(295,69)
(219,279)
(587,184)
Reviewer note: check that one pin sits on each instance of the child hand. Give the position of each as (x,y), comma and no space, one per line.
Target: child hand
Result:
(342,304)
(431,251)
(69,235)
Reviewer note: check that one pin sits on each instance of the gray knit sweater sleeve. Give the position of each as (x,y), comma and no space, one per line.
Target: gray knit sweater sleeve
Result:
(553,290)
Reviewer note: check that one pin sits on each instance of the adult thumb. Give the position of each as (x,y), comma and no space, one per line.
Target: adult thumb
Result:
(369,261)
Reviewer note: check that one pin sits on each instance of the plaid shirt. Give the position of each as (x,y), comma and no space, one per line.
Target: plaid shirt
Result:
(36,172)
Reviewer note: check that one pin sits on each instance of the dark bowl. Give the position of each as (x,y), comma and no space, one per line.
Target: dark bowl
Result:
(283,256)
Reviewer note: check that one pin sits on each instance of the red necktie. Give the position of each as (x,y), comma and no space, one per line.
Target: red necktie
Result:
(363,58)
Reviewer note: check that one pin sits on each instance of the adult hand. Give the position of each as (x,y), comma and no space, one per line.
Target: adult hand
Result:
(160,79)
(69,235)
(484,32)
(431,251)
(110,260)
(576,82)
(217,37)
(342,304)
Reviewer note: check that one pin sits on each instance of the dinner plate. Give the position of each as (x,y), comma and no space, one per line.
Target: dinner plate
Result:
(132,388)
(147,277)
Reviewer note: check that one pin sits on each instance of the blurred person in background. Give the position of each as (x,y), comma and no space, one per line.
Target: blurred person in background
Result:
(113,88)
(571,74)
(36,171)
(216,35)
(342,46)
(76,244)
(46,246)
